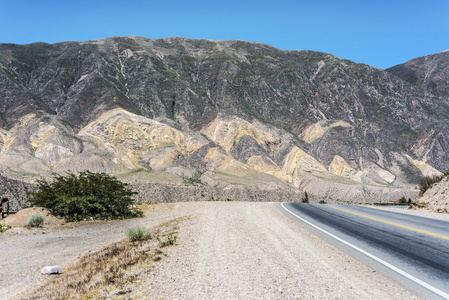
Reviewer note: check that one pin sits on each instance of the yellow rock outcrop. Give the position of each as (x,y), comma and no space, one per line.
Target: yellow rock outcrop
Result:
(317,130)
(298,160)
(226,132)
(4,139)
(340,167)
(264,164)
(7,138)
(136,135)
(426,170)
(44,132)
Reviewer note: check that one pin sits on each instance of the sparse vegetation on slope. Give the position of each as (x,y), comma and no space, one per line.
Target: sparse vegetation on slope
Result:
(86,196)
(433,194)
(194,180)
(111,269)
(108,267)
(428,181)
(403,200)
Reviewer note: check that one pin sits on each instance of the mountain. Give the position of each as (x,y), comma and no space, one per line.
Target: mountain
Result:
(429,73)
(218,114)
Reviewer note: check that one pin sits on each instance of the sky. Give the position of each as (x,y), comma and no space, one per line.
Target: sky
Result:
(380,33)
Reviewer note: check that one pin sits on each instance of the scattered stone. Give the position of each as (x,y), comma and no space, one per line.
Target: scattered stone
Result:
(47,270)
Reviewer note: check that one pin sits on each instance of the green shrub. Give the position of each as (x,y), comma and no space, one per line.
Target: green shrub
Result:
(36,220)
(3,227)
(86,196)
(171,240)
(138,234)
(401,200)
(194,180)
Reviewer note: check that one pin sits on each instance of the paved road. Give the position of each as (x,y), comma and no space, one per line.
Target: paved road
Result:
(410,249)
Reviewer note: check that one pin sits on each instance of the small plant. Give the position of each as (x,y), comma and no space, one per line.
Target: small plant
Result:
(138,234)
(3,227)
(322,202)
(194,180)
(171,240)
(401,200)
(36,220)
(305,199)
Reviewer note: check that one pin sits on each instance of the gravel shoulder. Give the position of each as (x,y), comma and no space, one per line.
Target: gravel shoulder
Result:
(25,251)
(246,250)
(228,250)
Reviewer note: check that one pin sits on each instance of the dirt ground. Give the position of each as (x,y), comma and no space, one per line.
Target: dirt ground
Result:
(225,250)
(20,219)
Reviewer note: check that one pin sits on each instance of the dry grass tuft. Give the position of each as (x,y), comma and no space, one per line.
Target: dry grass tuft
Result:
(111,267)
(97,270)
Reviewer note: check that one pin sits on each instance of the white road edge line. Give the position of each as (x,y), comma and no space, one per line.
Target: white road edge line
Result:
(403,273)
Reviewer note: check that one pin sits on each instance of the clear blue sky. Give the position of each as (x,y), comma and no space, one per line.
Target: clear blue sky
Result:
(381,33)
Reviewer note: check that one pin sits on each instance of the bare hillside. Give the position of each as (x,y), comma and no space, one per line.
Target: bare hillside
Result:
(435,199)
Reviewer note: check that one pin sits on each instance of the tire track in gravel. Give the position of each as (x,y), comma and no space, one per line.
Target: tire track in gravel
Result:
(247,250)
(242,250)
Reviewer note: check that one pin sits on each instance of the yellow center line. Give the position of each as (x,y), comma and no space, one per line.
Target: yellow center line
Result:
(395,224)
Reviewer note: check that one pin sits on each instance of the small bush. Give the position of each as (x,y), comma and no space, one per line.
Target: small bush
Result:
(323,202)
(36,220)
(171,240)
(401,200)
(194,180)
(138,234)
(3,227)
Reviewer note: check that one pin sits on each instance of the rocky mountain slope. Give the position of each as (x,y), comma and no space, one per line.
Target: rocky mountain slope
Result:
(218,114)
(434,199)
(429,72)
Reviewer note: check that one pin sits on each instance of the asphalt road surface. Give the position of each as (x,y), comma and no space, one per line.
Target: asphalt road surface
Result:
(409,249)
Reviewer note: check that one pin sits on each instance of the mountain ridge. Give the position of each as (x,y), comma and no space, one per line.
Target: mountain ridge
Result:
(122,104)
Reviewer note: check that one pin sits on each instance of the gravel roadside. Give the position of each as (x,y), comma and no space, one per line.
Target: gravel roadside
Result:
(252,250)
(229,250)
(25,251)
